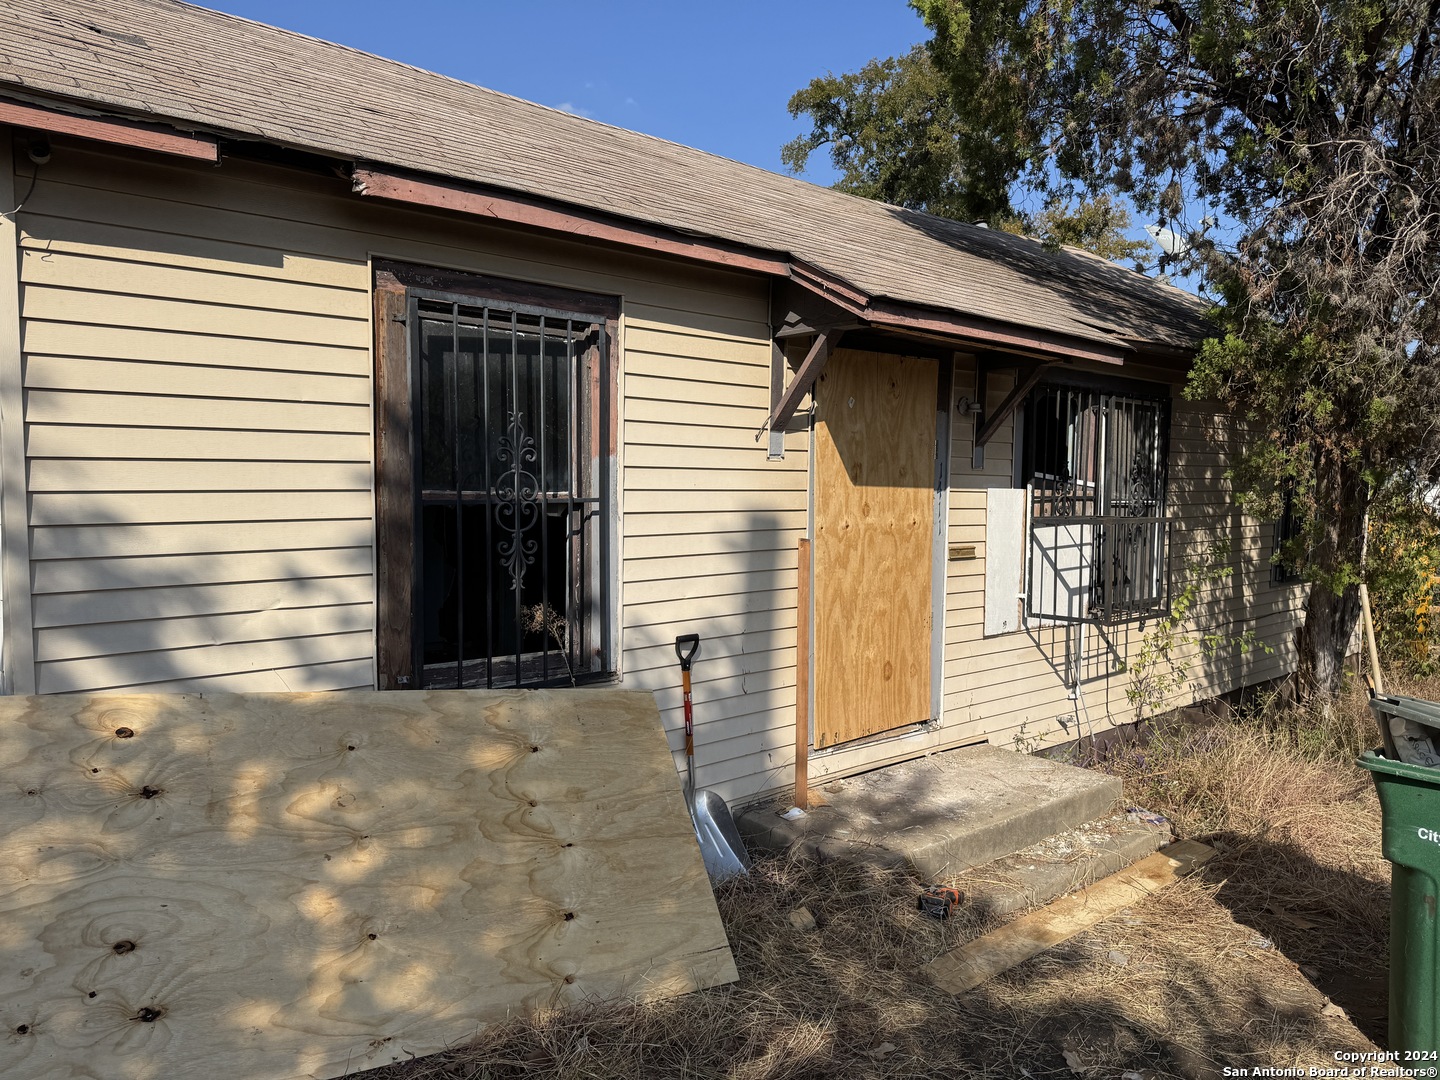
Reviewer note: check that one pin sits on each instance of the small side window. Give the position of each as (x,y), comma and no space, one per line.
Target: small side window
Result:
(1287,531)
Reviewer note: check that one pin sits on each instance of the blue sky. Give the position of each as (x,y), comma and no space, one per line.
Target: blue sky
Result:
(711,75)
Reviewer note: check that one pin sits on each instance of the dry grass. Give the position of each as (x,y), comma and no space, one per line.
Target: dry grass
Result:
(1201,976)
(1298,829)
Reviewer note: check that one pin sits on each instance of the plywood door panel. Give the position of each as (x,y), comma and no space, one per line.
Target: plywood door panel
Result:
(315,884)
(874,512)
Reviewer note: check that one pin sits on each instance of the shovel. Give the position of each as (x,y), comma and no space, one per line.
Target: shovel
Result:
(720,844)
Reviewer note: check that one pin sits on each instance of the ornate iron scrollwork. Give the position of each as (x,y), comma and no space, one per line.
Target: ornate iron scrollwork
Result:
(517,509)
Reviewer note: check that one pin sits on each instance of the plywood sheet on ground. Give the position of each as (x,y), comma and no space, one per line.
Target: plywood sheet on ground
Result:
(287,885)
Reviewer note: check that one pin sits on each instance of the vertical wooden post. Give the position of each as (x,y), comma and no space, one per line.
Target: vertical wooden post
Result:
(17,661)
(394,489)
(802,679)
(1370,640)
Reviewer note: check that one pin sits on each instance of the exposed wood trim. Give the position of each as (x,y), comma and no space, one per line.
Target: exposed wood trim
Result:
(375,182)
(802,676)
(495,290)
(799,311)
(162,140)
(828,287)
(394,489)
(1031,342)
(805,377)
(939,541)
(18,660)
(977,961)
(882,313)
(1007,405)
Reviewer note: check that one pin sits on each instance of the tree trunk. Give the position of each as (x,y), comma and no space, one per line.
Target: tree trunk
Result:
(1323,641)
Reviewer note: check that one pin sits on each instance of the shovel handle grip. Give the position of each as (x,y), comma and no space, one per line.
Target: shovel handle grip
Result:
(686,655)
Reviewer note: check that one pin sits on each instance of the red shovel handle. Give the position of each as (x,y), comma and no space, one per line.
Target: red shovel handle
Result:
(686,646)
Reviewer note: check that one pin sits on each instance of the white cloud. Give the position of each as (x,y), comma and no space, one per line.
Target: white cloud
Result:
(573,109)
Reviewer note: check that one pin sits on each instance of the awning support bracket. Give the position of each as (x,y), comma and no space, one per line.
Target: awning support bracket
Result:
(809,370)
(988,423)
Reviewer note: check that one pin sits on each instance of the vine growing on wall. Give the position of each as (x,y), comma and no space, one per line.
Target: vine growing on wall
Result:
(1169,650)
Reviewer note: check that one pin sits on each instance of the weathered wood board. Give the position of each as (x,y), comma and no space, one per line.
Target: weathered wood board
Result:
(308,885)
(977,961)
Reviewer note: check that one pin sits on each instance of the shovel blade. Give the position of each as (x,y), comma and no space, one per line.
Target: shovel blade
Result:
(720,844)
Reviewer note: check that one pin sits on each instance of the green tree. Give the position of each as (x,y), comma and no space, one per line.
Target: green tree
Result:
(1314,127)
(894,134)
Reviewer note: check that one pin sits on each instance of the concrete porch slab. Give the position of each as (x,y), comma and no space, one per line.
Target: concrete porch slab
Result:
(942,813)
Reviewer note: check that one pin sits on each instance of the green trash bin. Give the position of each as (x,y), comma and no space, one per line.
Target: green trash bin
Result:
(1410,839)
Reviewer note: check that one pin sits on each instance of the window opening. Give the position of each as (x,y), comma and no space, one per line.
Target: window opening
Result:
(1095,467)
(508,495)
(1287,531)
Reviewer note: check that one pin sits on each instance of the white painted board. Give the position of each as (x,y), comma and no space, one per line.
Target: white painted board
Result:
(1004,558)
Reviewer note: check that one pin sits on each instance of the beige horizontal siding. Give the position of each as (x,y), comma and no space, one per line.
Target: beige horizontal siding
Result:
(1012,686)
(198,380)
(64,439)
(199,434)
(132,605)
(95,542)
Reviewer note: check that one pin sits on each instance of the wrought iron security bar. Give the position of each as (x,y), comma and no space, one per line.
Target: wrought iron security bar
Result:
(1096,466)
(508,507)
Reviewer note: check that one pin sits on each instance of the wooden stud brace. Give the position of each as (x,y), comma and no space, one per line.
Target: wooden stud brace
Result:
(805,377)
(112,130)
(988,425)
(776,450)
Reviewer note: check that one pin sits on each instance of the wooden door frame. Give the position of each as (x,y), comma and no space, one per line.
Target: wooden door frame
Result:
(940,547)
(394,447)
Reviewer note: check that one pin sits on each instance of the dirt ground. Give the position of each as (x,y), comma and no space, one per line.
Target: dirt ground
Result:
(1274,956)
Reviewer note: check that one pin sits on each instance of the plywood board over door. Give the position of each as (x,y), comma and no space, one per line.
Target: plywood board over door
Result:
(310,885)
(874,511)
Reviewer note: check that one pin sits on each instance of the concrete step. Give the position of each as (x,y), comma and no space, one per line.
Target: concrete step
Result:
(1062,863)
(943,813)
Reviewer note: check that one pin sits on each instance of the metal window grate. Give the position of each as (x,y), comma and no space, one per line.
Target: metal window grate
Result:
(508,507)
(1095,464)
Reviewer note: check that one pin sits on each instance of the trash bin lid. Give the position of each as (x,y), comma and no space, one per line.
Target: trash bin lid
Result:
(1377,762)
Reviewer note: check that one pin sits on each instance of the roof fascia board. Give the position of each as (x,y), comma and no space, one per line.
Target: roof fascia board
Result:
(377,182)
(1029,341)
(374,181)
(111,130)
(899,316)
